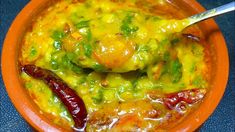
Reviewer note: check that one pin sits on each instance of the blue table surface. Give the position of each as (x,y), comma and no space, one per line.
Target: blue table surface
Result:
(222,120)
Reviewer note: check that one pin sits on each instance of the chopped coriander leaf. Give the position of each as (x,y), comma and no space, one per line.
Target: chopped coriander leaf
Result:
(98,67)
(142,48)
(128,19)
(82,24)
(98,98)
(86,33)
(33,52)
(57,35)
(89,35)
(134,84)
(88,49)
(127,28)
(70,56)
(65,61)
(175,70)
(76,68)
(82,80)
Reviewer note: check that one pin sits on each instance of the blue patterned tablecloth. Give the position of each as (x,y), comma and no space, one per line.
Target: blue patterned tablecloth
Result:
(222,120)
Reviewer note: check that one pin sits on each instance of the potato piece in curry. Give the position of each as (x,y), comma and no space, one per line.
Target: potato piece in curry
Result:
(130,72)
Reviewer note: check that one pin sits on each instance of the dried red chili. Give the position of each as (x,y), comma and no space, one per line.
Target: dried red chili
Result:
(68,96)
(188,96)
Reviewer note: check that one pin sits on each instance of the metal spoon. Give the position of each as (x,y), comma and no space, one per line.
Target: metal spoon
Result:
(171,26)
(211,13)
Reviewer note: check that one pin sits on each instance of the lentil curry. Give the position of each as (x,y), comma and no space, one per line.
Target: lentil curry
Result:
(124,68)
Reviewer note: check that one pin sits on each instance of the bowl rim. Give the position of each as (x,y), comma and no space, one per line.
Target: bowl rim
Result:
(34,117)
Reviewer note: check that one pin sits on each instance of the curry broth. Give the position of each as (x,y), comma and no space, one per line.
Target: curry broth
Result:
(123,83)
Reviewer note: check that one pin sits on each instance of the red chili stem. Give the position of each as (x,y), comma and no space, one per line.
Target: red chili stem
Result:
(68,96)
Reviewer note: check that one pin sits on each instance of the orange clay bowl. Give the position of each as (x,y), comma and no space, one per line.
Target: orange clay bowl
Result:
(30,112)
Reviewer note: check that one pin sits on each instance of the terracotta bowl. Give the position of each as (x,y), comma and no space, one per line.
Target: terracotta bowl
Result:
(31,113)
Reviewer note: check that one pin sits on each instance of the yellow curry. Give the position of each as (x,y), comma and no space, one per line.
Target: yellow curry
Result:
(132,70)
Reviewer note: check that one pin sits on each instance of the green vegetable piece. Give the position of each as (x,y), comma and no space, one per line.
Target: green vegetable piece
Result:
(134,84)
(140,74)
(127,28)
(175,70)
(98,98)
(57,35)
(65,61)
(76,69)
(89,35)
(70,56)
(84,29)
(143,48)
(98,67)
(163,46)
(33,52)
(86,33)
(82,80)
(82,24)
(128,18)
(88,49)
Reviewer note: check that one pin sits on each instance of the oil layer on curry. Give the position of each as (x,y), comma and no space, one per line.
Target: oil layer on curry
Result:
(131,71)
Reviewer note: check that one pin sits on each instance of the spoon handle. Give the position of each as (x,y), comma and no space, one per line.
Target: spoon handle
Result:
(211,13)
